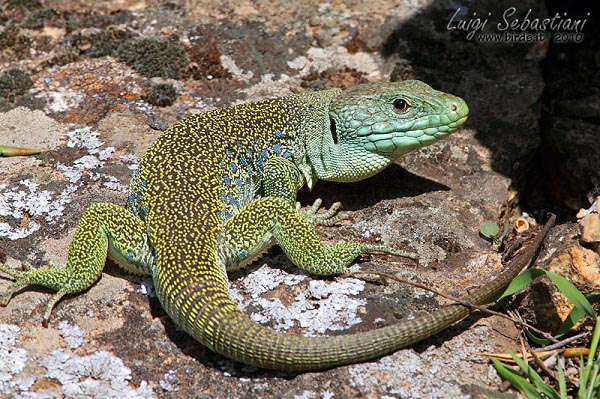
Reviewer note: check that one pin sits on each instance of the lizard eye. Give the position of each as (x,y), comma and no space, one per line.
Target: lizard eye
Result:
(400,105)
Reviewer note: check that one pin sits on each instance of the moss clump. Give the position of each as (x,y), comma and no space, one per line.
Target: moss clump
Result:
(154,57)
(161,95)
(105,42)
(14,82)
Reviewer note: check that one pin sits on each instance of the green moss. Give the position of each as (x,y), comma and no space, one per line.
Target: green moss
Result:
(161,95)
(107,42)
(14,82)
(154,57)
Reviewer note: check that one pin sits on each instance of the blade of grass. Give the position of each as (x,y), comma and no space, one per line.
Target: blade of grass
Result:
(562,381)
(535,378)
(516,380)
(521,281)
(572,293)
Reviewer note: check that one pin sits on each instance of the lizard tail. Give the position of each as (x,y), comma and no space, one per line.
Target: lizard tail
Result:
(206,311)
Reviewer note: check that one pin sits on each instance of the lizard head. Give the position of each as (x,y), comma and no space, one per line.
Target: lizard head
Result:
(371,125)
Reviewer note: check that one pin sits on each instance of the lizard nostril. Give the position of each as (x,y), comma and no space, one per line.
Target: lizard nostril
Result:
(453,106)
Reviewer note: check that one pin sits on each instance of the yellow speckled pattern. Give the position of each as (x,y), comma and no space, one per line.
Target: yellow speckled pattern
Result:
(217,189)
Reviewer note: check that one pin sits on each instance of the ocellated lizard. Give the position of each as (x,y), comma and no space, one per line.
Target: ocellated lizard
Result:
(217,189)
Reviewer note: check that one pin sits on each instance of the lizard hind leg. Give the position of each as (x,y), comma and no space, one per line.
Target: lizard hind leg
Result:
(273,219)
(101,224)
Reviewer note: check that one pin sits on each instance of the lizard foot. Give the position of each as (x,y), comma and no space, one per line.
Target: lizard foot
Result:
(15,274)
(52,278)
(327,218)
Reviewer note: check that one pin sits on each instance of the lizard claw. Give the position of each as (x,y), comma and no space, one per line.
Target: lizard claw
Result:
(327,218)
(15,274)
(29,276)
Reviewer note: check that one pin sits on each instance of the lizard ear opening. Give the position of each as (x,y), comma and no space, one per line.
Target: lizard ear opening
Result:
(333,130)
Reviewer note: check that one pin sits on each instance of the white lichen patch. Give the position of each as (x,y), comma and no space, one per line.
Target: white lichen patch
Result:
(26,200)
(72,335)
(316,60)
(229,64)
(324,305)
(61,100)
(337,57)
(270,87)
(12,359)
(99,375)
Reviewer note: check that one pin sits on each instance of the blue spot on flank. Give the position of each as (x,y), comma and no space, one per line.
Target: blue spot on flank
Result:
(231,199)
(227,215)
(145,211)
(239,181)
(136,171)
(228,152)
(264,154)
(233,167)
(227,180)
(259,142)
(260,163)
(277,148)
(222,196)
(239,144)
(243,253)
(243,161)
(218,213)
(222,164)
(287,154)
(249,172)
(249,153)
(131,198)
(278,133)
(130,255)
(143,184)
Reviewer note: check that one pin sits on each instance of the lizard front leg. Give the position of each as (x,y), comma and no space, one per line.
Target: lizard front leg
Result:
(283,179)
(104,229)
(274,220)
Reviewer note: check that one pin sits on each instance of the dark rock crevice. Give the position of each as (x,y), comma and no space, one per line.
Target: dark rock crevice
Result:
(566,167)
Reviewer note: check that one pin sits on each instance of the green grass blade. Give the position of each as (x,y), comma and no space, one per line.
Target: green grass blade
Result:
(535,378)
(574,316)
(516,380)
(521,281)
(586,373)
(537,340)
(572,293)
(562,381)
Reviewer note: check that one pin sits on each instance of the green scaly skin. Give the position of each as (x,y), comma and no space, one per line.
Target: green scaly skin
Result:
(217,189)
